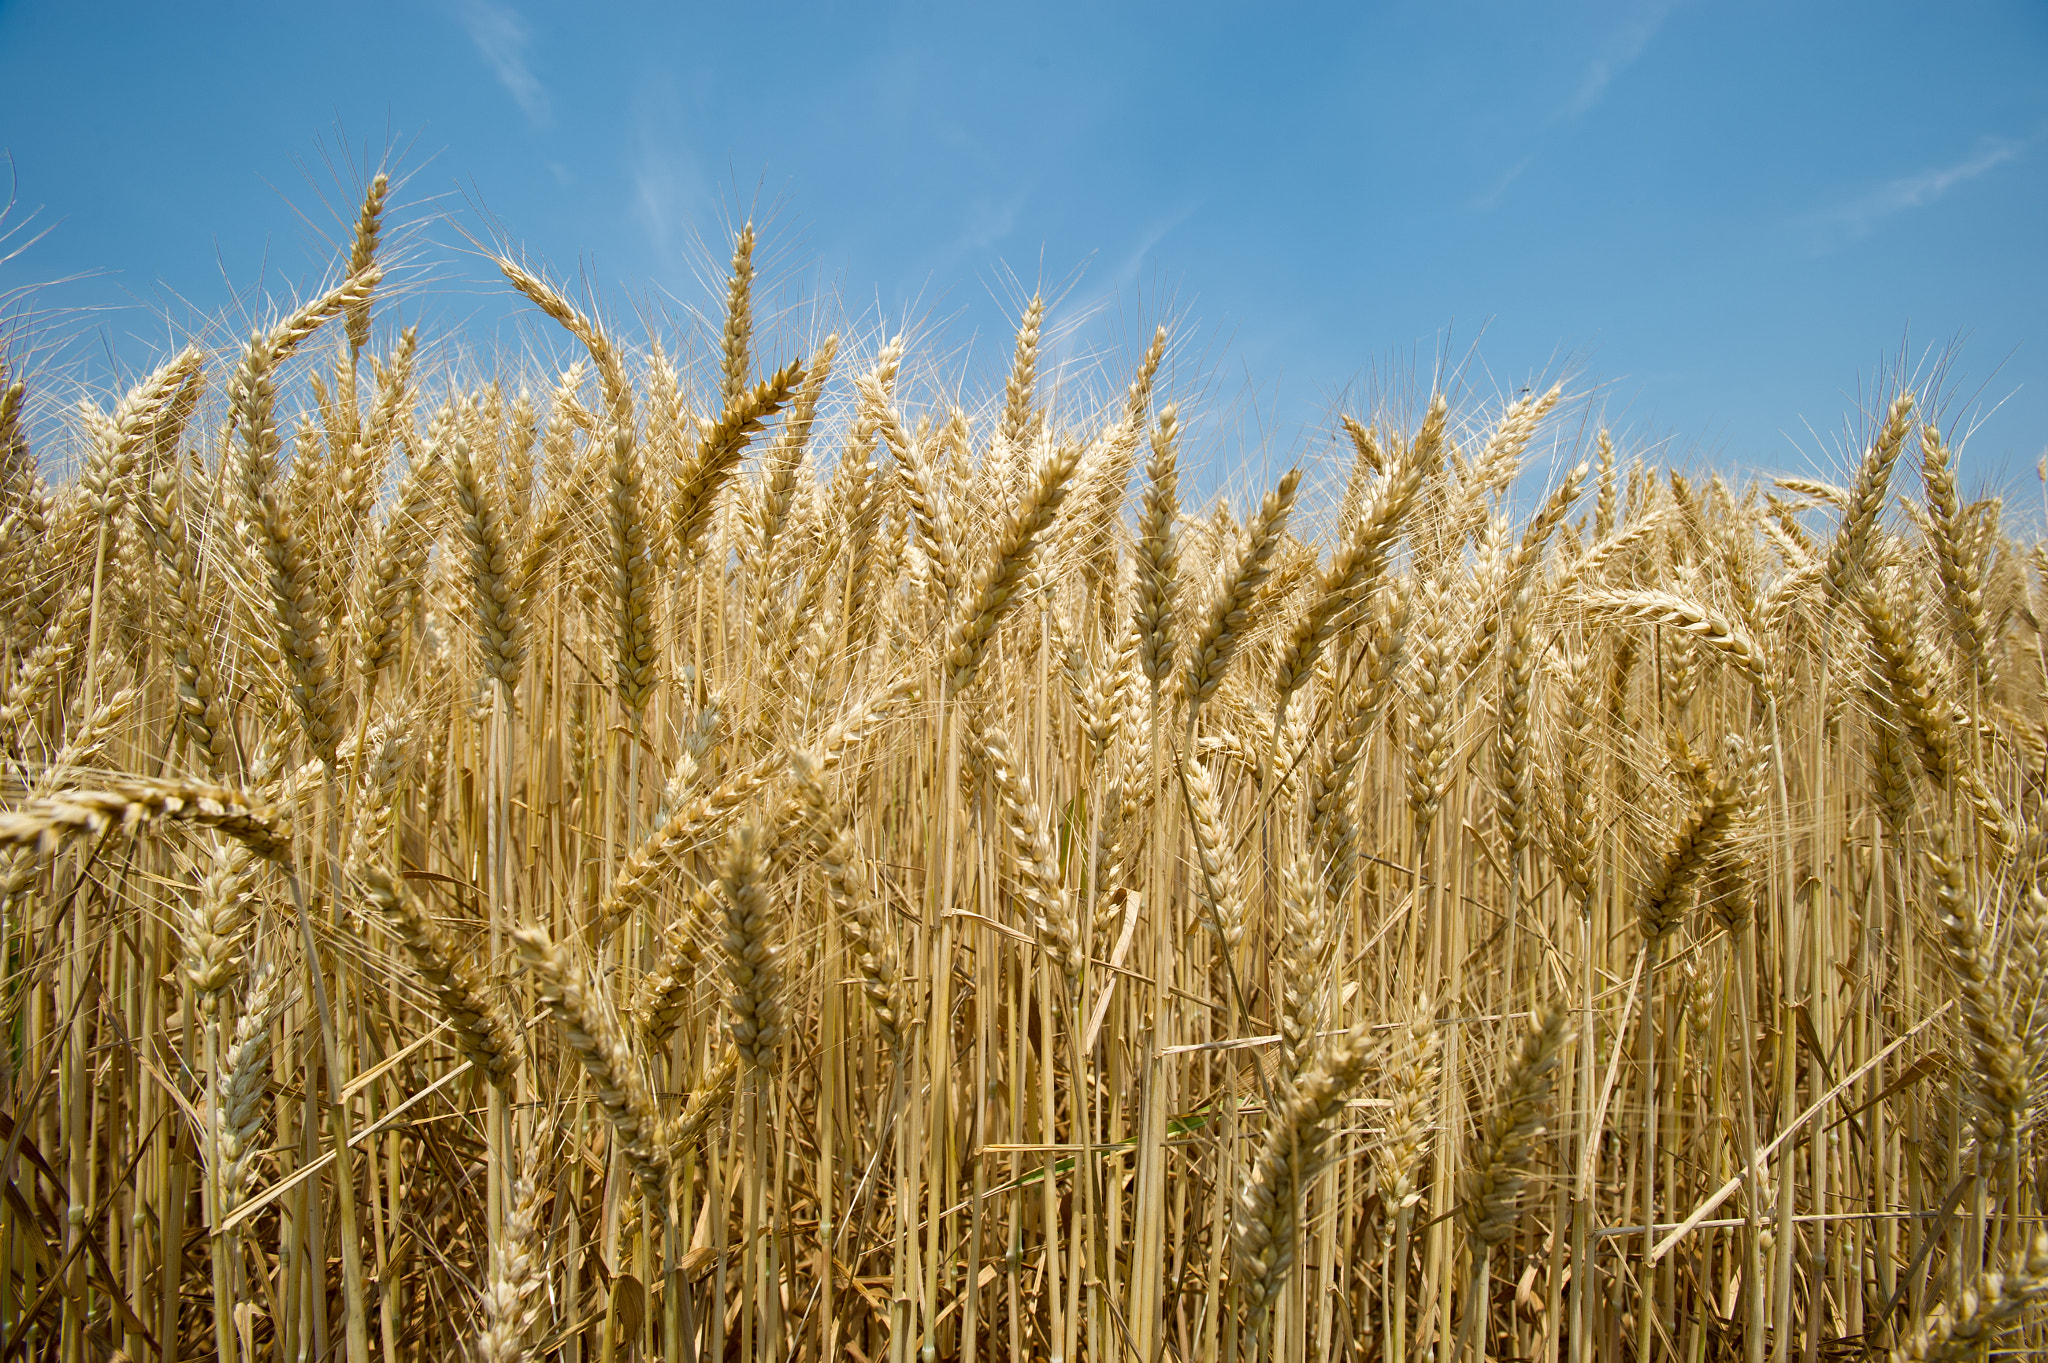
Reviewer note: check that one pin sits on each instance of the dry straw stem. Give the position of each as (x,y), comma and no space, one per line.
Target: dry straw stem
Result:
(484,1030)
(594,1036)
(48,822)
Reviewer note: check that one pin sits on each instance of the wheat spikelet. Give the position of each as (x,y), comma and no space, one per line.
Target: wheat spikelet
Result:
(593,1034)
(484,1031)
(1019,395)
(1158,552)
(1710,628)
(510,1296)
(46,822)
(212,925)
(1968,1327)
(992,593)
(1357,566)
(242,1085)
(739,321)
(710,1098)
(1849,552)
(1262,1234)
(1714,819)
(1411,1075)
(1029,849)
(1490,1187)
(1999,1078)
(1226,615)
(717,456)
(752,956)
(1217,890)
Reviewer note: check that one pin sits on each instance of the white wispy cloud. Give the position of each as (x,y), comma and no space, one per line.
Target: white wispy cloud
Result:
(501,39)
(1490,200)
(1617,54)
(1860,216)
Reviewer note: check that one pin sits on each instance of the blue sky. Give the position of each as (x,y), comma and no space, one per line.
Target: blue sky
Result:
(1722,220)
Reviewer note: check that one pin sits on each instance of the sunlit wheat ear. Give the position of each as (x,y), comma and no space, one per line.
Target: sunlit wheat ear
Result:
(719,451)
(499,613)
(1490,1188)
(991,594)
(1157,550)
(1715,819)
(1305,945)
(739,320)
(1029,852)
(1848,556)
(663,994)
(243,1085)
(753,955)
(49,821)
(1262,1234)
(483,1028)
(1355,570)
(214,922)
(1412,1086)
(1998,1080)
(512,1293)
(1955,557)
(593,1034)
(1217,889)
(1226,615)
(710,1098)
(1968,1327)
(1021,392)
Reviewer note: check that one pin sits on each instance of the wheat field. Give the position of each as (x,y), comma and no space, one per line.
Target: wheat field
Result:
(779,857)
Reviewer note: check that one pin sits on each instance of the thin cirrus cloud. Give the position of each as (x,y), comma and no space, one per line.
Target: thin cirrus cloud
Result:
(1858,217)
(1619,52)
(501,39)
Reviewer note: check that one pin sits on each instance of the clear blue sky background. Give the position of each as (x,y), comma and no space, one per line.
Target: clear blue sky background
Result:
(1727,217)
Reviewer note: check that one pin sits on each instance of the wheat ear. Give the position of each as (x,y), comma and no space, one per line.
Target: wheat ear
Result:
(49,821)
(599,1043)
(1967,1328)
(753,959)
(484,1030)
(1226,615)
(511,1297)
(991,595)
(1262,1234)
